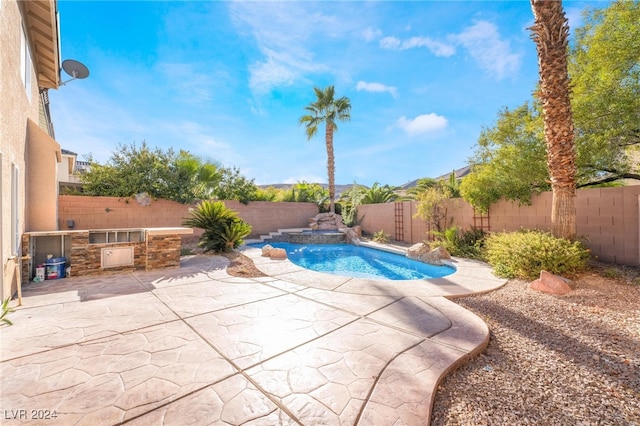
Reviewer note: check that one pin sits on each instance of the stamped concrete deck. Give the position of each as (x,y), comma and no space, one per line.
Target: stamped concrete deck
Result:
(198,346)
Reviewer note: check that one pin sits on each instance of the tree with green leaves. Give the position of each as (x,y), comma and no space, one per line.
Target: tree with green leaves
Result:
(431,205)
(604,64)
(510,158)
(132,170)
(328,110)
(181,177)
(234,186)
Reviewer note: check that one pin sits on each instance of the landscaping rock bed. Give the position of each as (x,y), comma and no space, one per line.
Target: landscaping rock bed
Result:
(552,360)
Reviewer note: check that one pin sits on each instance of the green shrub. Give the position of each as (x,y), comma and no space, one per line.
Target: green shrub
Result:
(469,244)
(381,237)
(223,229)
(6,309)
(524,254)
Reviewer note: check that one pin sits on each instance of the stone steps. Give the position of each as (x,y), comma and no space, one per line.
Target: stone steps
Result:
(273,236)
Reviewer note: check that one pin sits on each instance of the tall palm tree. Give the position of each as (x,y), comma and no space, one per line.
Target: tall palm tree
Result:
(329,110)
(551,35)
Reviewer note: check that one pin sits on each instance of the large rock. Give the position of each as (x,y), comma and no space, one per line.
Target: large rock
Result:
(274,253)
(326,222)
(417,250)
(549,283)
(278,253)
(423,253)
(266,250)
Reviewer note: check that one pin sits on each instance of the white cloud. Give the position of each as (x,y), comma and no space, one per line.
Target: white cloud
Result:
(493,54)
(284,33)
(370,34)
(270,73)
(424,123)
(376,87)
(438,48)
(390,43)
(482,41)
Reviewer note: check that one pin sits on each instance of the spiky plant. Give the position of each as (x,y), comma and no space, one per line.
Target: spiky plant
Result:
(223,229)
(5,311)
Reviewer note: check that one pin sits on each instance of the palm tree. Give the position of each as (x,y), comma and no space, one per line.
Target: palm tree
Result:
(379,194)
(551,34)
(328,110)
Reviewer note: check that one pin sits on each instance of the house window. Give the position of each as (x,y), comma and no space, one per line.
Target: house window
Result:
(25,63)
(15,210)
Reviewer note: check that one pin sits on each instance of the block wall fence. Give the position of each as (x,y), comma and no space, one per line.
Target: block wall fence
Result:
(113,212)
(607,220)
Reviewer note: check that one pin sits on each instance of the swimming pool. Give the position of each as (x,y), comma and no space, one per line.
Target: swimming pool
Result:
(359,262)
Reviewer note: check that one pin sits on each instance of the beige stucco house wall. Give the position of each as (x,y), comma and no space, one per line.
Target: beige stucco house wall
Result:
(29,64)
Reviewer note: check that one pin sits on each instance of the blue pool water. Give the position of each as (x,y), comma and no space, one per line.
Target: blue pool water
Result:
(359,262)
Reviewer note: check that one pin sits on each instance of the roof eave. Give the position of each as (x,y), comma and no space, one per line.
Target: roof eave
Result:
(41,24)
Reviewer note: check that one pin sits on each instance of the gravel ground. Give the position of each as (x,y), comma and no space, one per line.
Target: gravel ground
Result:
(551,360)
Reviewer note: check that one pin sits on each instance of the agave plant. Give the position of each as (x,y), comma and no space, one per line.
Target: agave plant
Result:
(223,229)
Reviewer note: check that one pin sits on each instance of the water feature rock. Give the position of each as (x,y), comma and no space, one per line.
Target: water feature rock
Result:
(326,221)
(549,283)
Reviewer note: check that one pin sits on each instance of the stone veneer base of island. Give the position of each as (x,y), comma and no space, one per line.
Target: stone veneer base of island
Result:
(153,248)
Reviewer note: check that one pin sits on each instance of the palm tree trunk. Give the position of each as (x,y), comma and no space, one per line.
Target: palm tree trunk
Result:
(331,167)
(551,34)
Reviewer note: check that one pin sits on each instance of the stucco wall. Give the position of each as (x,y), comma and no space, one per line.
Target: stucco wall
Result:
(16,108)
(42,187)
(607,219)
(113,212)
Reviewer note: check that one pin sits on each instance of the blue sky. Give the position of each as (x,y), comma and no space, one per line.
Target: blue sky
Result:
(228,81)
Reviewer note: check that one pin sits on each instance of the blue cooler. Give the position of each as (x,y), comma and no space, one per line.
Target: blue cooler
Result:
(54,268)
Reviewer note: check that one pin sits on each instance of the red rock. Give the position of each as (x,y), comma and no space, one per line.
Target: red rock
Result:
(549,283)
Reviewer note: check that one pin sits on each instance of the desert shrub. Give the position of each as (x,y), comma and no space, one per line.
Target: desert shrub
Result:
(223,229)
(468,244)
(524,254)
(381,237)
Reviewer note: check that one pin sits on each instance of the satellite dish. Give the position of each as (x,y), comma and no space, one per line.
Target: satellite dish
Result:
(75,69)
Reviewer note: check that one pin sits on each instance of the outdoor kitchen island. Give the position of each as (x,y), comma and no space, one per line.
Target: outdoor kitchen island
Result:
(103,251)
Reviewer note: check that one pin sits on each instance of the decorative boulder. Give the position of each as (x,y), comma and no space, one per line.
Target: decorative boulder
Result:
(266,250)
(436,256)
(417,250)
(278,253)
(549,283)
(273,253)
(423,253)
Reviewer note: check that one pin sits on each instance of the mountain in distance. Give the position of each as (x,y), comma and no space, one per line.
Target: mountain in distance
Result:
(339,188)
(460,173)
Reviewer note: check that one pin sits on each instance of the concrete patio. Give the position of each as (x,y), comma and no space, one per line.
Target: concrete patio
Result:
(197,346)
